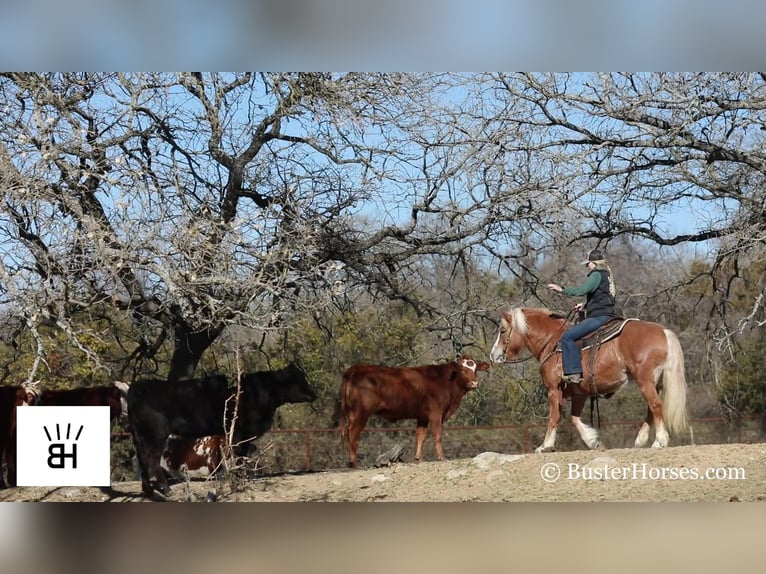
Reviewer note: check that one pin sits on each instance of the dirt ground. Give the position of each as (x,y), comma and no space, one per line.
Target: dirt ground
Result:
(713,473)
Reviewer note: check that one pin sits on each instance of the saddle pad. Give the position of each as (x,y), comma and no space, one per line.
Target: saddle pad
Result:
(603,334)
(607,331)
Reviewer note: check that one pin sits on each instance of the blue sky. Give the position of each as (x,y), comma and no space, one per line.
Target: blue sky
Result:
(553,35)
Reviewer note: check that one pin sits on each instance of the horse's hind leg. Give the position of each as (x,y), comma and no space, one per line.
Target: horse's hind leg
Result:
(643,433)
(661,433)
(652,398)
(588,434)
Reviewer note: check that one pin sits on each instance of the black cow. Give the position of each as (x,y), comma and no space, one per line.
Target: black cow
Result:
(201,407)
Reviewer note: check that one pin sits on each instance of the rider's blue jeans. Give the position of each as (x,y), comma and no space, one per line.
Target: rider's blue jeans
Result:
(570,354)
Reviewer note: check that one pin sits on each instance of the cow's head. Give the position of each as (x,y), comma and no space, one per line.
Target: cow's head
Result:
(28,394)
(297,386)
(123,387)
(468,371)
(288,385)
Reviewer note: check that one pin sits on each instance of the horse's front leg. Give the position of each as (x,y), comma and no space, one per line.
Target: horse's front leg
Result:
(588,434)
(555,398)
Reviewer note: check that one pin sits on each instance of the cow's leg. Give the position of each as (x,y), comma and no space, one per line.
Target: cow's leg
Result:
(420,438)
(215,459)
(154,450)
(146,484)
(436,431)
(555,398)
(149,447)
(355,427)
(10,460)
(3,457)
(143,467)
(588,434)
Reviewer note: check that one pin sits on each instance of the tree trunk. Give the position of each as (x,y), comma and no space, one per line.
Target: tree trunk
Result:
(189,347)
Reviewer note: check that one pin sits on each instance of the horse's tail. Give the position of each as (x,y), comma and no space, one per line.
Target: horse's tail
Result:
(674,387)
(341,415)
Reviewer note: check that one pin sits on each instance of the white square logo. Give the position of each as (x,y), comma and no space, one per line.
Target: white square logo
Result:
(63,446)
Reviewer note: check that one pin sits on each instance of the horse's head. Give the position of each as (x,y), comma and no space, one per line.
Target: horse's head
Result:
(510,337)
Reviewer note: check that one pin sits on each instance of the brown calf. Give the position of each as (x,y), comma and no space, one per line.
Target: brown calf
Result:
(429,394)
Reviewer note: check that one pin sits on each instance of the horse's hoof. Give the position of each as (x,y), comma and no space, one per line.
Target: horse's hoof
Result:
(540,449)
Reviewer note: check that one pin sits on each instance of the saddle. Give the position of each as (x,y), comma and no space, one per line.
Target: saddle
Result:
(606,332)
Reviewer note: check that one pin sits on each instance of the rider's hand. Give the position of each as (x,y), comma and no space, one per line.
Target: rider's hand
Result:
(555,287)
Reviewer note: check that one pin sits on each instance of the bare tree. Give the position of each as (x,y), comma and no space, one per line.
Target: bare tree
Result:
(186,203)
(190,202)
(632,155)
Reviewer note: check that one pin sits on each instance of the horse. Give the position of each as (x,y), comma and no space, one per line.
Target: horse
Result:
(644,352)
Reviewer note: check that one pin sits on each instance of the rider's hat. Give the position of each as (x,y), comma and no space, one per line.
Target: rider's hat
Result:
(594,255)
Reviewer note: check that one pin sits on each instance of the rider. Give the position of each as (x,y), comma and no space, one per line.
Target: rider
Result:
(599,309)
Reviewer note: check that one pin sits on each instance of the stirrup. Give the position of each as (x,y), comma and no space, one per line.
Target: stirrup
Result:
(574,379)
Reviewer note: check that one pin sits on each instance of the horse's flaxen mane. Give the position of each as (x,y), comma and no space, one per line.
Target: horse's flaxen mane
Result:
(545,312)
(518,320)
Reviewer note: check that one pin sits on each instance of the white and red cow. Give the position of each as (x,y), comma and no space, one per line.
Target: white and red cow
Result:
(193,457)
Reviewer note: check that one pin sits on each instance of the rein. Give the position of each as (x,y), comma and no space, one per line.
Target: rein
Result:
(505,353)
(558,333)
(516,361)
(563,327)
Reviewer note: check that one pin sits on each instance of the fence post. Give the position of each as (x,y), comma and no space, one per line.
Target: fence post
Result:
(527,446)
(308,449)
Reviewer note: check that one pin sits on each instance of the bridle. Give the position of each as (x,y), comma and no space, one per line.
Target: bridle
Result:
(505,351)
(551,337)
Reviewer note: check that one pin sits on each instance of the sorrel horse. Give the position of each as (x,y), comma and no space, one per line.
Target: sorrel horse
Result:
(646,353)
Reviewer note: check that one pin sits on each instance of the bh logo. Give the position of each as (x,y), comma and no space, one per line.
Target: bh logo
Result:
(62,446)
(57,450)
